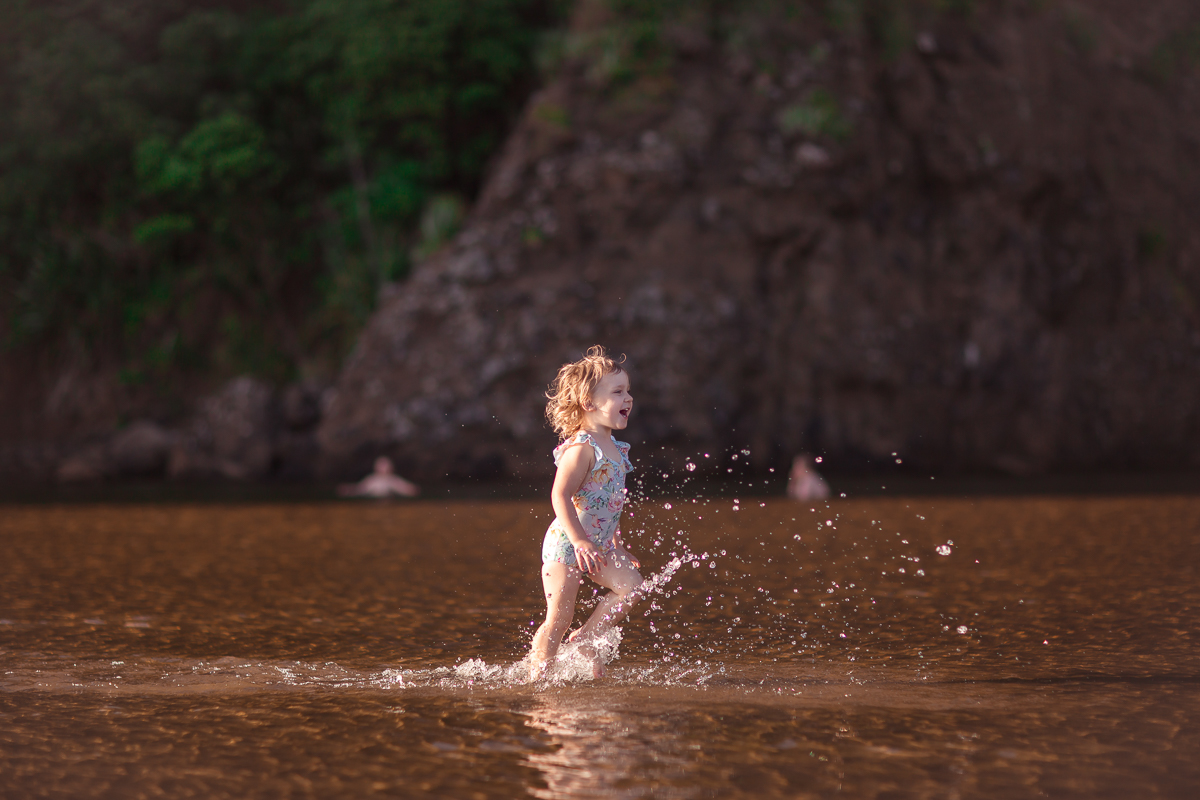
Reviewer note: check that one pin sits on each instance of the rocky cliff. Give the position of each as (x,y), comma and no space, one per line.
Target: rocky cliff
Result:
(971,242)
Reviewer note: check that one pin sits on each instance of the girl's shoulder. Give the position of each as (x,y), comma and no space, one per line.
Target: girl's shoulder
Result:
(581,437)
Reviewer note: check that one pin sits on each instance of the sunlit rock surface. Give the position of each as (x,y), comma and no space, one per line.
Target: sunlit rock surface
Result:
(983,255)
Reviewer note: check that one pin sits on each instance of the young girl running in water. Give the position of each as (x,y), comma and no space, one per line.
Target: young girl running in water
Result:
(588,400)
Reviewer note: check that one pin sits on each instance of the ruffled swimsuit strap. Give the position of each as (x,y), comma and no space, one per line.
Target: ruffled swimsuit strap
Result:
(623,449)
(582,437)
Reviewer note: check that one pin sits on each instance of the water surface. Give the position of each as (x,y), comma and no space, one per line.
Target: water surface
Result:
(798,650)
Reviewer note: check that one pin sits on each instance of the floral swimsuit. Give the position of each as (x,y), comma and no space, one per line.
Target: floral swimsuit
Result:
(598,503)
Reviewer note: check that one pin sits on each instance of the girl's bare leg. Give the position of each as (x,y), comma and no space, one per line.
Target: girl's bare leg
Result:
(622,579)
(561,585)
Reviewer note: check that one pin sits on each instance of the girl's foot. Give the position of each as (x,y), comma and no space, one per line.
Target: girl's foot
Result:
(538,670)
(590,652)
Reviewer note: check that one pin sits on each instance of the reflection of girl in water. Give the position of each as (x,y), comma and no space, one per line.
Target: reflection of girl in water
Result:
(598,748)
(587,401)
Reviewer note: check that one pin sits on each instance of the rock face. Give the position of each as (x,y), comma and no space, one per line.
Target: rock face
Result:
(137,451)
(140,449)
(983,255)
(243,431)
(231,434)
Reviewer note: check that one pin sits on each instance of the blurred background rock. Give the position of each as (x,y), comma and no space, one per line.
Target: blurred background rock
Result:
(279,239)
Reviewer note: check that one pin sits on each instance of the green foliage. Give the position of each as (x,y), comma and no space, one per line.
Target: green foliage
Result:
(819,114)
(439,222)
(226,187)
(1178,51)
(219,156)
(891,28)
(1151,242)
(845,15)
(163,227)
(553,115)
(631,44)
(1081,31)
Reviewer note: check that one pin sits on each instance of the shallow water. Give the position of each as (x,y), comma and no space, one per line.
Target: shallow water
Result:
(357,650)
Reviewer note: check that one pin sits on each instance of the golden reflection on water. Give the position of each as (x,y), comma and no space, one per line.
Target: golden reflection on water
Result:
(355,650)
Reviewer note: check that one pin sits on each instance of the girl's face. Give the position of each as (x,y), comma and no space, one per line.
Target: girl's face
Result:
(611,402)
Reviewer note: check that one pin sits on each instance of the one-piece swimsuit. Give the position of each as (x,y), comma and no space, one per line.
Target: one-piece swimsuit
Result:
(598,503)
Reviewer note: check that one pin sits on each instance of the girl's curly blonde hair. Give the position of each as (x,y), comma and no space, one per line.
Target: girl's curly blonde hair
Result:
(573,386)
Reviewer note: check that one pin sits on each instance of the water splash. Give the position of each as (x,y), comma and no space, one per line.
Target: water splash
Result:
(848,572)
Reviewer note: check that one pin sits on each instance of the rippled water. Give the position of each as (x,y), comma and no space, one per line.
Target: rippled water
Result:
(799,650)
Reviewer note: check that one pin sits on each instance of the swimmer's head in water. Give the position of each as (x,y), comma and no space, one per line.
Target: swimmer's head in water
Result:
(570,394)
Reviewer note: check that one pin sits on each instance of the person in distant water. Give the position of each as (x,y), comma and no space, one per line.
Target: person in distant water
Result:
(803,481)
(383,482)
(588,400)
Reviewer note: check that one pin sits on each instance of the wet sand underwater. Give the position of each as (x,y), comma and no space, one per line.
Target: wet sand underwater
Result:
(880,647)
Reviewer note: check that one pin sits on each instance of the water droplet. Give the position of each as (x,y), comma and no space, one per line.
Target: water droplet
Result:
(706,455)
(943,550)
(667,506)
(961,629)
(712,565)
(735,456)
(818,459)
(665,475)
(828,522)
(691,467)
(898,461)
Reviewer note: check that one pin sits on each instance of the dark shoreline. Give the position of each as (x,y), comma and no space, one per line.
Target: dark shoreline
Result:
(1106,484)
